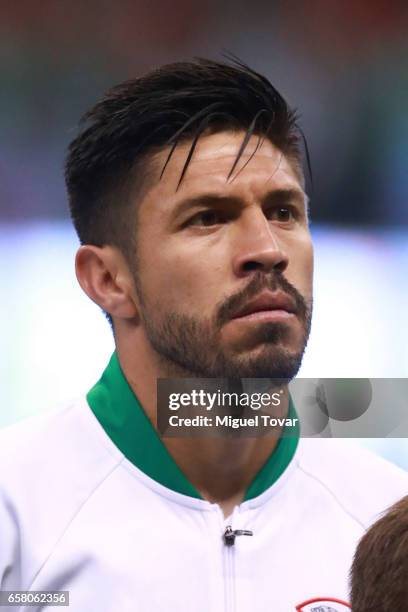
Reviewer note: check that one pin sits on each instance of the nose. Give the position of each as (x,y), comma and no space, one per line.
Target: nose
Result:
(259,248)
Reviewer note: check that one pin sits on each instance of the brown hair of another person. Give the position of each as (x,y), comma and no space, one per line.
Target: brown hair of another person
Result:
(379,574)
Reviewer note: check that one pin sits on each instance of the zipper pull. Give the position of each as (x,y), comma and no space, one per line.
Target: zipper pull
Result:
(230,535)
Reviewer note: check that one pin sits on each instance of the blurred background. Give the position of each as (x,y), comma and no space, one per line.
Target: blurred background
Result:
(342,64)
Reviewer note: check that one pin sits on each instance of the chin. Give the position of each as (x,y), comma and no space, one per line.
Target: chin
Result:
(268,362)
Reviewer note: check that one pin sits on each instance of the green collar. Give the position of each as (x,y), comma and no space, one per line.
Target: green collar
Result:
(119,412)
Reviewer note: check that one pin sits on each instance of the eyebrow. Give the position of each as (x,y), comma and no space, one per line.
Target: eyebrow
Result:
(275,196)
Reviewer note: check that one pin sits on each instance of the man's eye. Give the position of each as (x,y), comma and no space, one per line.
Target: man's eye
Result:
(206,218)
(283,214)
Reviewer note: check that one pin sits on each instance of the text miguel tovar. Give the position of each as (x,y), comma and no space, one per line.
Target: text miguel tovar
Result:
(259,420)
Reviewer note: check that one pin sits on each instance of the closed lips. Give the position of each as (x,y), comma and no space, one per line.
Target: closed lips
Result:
(267,301)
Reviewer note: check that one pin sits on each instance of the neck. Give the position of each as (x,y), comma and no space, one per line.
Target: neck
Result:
(221,469)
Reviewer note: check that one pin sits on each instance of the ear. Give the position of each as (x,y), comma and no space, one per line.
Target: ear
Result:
(104,276)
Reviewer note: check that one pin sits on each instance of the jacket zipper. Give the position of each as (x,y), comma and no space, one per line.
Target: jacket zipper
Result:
(229,537)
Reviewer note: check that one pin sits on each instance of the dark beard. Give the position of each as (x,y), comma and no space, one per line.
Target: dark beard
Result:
(188,347)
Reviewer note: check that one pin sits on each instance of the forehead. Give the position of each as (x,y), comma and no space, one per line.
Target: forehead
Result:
(260,169)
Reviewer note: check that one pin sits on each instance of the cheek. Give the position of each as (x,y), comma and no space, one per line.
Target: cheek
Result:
(308,275)
(309,264)
(190,274)
(176,282)
(300,270)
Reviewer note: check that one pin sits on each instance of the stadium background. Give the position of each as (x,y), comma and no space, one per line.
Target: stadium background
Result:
(343,64)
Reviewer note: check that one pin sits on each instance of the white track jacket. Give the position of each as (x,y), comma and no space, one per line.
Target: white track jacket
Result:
(92,503)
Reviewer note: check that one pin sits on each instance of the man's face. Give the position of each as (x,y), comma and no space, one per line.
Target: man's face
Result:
(207,249)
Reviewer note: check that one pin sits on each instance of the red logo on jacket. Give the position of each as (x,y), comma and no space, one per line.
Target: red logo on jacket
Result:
(323,604)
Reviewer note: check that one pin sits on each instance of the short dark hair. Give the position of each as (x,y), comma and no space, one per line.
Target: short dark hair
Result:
(379,574)
(174,103)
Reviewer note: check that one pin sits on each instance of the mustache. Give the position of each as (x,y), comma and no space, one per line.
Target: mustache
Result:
(259,282)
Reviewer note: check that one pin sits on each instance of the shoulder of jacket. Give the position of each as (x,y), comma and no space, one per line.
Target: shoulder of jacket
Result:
(362,483)
(55,461)
(50,437)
